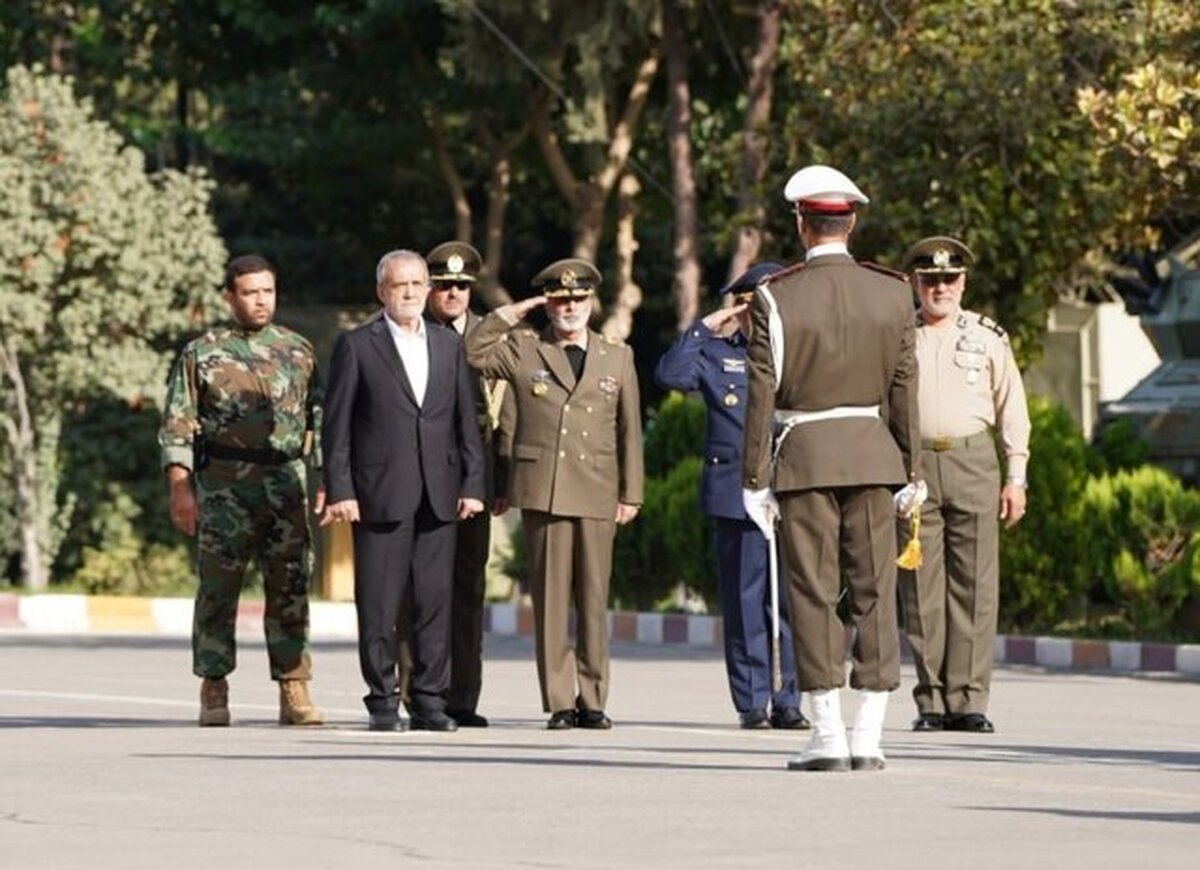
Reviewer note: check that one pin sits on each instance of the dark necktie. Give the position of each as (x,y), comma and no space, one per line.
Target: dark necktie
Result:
(575,356)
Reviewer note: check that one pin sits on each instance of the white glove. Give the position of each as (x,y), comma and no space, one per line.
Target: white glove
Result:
(763,509)
(910,498)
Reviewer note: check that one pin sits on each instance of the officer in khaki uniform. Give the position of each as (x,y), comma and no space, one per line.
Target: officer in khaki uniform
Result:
(832,374)
(454,268)
(969,385)
(576,474)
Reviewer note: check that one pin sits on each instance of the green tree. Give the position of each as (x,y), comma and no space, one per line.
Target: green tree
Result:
(102,268)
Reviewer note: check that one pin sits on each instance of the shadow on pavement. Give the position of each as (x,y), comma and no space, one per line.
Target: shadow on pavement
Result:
(91,722)
(519,761)
(1007,753)
(1114,815)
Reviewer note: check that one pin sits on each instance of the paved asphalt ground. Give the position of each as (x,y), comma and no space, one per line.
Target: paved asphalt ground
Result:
(102,767)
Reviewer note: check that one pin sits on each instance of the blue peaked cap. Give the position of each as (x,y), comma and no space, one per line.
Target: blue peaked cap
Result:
(751,278)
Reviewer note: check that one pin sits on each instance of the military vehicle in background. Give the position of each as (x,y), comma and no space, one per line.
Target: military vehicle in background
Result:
(1163,291)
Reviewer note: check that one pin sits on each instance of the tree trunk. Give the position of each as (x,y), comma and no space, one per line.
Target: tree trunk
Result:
(628,296)
(454,184)
(760,91)
(491,290)
(588,200)
(18,428)
(683,177)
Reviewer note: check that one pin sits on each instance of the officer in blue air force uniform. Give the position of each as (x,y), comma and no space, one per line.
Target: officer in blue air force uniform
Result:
(710,357)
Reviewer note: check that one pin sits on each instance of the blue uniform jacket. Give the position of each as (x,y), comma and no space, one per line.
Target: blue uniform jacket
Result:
(700,360)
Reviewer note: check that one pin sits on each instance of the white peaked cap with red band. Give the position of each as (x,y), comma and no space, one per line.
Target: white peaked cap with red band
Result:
(823,189)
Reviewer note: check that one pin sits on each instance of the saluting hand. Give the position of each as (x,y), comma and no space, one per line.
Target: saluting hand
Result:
(721,316)
(345,511)
(516,310)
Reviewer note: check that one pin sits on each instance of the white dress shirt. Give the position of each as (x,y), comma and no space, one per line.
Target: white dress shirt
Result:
(413,348)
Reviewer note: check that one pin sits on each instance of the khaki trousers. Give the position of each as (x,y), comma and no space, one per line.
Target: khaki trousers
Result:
(950,603)
(829,534)
(570,563)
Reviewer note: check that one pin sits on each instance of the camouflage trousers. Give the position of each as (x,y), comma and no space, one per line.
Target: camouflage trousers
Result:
(260,512)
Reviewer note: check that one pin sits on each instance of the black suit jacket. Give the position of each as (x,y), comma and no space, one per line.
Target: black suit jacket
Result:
(380,446)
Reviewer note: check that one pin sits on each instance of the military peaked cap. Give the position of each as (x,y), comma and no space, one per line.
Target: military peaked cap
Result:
(571,278)
(454,261)
(938,254)
(748,281)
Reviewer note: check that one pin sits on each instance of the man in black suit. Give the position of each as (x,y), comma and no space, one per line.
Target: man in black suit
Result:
(403,462)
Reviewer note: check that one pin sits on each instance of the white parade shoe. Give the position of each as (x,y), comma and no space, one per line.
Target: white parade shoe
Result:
(865,736)
(827,748)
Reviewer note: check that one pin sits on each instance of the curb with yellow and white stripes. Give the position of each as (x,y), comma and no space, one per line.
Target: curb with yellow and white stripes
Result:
(172,617)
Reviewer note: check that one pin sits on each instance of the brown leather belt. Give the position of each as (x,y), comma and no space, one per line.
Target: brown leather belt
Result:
(944,443)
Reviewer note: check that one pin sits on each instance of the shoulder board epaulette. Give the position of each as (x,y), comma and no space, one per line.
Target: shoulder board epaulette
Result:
(883,270)
(612,339)
(987,323)
(783,273)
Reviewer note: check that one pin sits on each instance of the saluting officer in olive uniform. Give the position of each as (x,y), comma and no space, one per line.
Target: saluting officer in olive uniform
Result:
(832,372)
(576,474)
(242,405)
(454,268)
(969,385)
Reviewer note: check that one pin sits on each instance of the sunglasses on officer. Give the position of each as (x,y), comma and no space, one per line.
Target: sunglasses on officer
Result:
(464,286)
(933,279)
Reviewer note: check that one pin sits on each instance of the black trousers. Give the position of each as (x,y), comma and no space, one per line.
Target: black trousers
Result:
(466,618)
(412,557)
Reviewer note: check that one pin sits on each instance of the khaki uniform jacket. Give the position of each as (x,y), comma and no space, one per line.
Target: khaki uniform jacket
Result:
(496,413)
(848,339)
(970,383)
(577,447)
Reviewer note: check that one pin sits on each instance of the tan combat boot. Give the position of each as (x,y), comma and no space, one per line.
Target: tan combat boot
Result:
(295,705)
(214,701)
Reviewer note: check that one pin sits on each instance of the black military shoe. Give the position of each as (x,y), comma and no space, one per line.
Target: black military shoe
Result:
(789,719)
(592,719)
(384,720)
(435,720)
(468,718)
(561,720)
(976,723)
(929,722)
(754,720)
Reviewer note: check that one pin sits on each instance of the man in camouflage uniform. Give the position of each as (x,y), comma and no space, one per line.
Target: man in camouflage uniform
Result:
(241,410)
(969,386)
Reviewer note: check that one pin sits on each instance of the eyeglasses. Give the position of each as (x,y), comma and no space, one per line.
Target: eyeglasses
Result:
(743,298)
(464,287)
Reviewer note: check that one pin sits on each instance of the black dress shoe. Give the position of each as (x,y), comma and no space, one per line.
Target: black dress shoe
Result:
(929,722)
(468,718)
(561,720)
(754,720)
(384,720)
(435,720)
(592,719)
(789,719)
(976,723)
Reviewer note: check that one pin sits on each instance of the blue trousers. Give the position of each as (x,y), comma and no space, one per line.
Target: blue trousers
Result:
(745,594)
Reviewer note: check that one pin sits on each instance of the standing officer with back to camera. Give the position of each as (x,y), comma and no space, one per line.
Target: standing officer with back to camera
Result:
(710,356)
(242,406)
(832,370)
(970,385)
(453,271)
(576,475)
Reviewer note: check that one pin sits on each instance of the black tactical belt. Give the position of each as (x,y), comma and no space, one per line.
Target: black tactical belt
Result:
(256,455)
(941,445)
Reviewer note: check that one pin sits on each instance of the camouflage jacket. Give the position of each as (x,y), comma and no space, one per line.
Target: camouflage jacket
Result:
(242,389)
